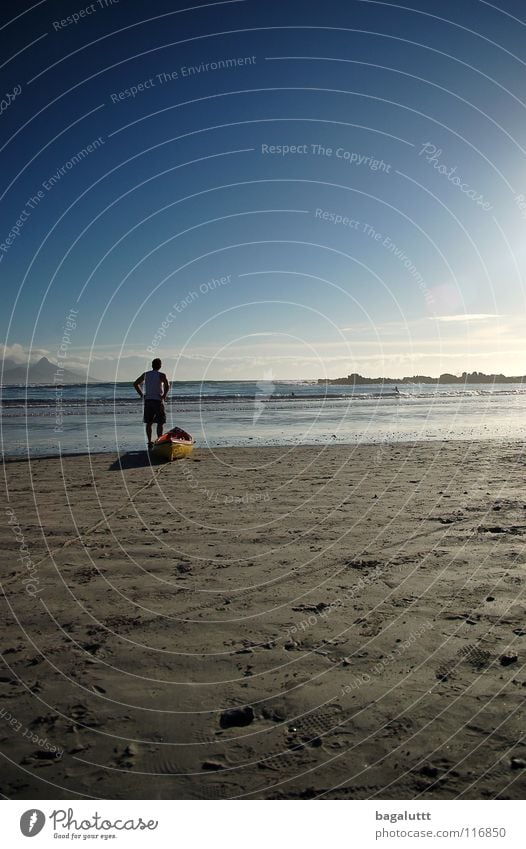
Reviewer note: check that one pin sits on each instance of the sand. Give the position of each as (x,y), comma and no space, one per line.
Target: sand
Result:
(266,623)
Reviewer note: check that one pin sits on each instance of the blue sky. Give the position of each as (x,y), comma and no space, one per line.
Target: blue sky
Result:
(345,196)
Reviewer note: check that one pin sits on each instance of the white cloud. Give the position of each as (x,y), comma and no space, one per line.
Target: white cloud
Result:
(477,316)
(21,354)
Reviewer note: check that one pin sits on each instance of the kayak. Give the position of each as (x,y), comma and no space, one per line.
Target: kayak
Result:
(174,445)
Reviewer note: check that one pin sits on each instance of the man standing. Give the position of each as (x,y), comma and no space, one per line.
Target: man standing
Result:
(156,388)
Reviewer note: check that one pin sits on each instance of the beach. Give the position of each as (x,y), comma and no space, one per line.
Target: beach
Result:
(288,622)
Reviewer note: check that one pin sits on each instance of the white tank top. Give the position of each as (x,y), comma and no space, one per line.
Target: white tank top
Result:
(152,386)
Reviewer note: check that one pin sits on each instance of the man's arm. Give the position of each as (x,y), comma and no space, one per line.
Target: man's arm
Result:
(137,385)
(166,386)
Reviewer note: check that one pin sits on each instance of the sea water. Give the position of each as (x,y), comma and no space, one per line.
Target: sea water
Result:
(108,417)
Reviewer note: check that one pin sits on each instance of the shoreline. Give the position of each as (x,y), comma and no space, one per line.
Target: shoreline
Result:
(266,623)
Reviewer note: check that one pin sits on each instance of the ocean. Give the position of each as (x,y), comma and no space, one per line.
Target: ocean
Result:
(47,420)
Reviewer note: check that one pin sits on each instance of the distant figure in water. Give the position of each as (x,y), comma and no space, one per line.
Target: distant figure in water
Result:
(156,388)
(396,390)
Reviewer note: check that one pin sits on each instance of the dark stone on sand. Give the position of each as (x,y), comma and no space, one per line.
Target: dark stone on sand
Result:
(429,771)
(39,755)
(43,755)
(490,598)
(308,793)
(362,564)
(508,658)
(236,717)
(518,763)
(212,766)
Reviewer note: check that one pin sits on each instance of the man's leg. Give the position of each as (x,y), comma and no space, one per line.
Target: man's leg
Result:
(149,433)
(159,430)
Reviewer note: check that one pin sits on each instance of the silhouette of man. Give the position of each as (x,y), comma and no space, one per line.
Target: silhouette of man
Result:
(156,388)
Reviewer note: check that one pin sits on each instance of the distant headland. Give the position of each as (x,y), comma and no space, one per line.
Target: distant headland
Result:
(471,377)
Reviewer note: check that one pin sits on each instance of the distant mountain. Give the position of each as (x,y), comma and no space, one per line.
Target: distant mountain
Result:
(473,377)
(44,372)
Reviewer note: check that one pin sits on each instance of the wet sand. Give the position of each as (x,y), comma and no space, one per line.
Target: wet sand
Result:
(340,622)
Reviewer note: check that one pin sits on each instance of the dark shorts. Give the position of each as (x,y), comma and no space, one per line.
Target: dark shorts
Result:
(154,412)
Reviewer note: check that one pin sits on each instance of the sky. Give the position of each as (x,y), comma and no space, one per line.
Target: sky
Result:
(264,190)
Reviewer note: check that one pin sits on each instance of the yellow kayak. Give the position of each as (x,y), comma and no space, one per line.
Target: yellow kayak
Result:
(174,445)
